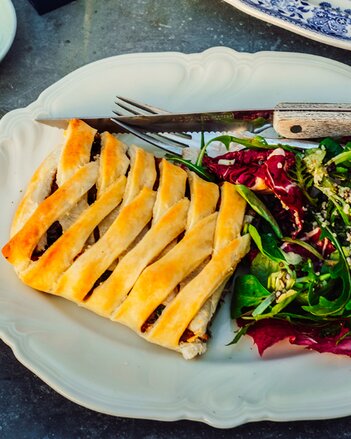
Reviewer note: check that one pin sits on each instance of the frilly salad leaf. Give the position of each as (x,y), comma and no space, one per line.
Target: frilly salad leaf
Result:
(324,183)
(341,270)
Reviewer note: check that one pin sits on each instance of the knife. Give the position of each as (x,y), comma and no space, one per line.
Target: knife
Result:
(289,120)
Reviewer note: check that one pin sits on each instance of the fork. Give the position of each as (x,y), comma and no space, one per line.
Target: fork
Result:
(176,143)
(173,143)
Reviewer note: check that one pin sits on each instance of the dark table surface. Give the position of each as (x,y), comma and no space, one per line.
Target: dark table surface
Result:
(28,407)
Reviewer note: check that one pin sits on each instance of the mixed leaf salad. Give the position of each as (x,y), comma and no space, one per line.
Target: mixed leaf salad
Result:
(298,285)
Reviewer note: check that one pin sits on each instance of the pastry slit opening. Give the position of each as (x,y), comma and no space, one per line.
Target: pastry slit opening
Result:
(158,174)
(95,147)
(152,318)
(52,235)
(101,279)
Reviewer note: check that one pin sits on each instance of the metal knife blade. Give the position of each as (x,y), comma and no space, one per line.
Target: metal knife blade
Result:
(246,120)
(99,123)
(293,121)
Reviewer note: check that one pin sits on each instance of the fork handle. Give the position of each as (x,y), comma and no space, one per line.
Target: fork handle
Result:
(311,121)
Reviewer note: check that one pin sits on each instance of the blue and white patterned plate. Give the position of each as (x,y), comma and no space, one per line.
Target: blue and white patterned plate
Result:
(326,22)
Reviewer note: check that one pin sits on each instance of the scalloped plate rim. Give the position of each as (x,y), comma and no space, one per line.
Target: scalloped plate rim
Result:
(18,343)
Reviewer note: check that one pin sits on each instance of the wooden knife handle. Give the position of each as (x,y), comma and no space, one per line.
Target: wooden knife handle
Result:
(311,121)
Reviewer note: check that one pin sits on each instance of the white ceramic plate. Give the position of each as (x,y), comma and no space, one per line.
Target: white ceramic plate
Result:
(105,366)
(8,24)
(328,22)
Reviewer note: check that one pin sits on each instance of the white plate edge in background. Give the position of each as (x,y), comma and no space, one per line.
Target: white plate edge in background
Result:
(11,26)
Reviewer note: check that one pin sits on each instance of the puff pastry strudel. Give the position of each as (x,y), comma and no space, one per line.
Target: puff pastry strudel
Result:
(131,237)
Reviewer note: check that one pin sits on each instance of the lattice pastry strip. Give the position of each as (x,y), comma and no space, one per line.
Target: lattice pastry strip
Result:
(44,273)
(170,211)
(20,248)
(78,280)
(38,189)
(142,173)
(196,302)
(159,279)
(159,261)
(76,152)
(204,198)
(175,319)
(228,228)
(113,162)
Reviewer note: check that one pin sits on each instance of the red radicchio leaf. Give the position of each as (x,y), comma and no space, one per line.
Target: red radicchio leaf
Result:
(274,173)
(324,246)
(246,164)
(266,333)
(251,167)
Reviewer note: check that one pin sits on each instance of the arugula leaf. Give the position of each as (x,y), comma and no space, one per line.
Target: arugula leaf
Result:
(198,169)
(275,310)
(259,207)
(267,244)
(238,334)
(257,142)
(343,156)
(258,311)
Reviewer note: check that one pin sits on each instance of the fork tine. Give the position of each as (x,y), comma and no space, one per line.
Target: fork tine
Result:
(117,113)
(168,138)
(150,139)
(129,109)
(145,107)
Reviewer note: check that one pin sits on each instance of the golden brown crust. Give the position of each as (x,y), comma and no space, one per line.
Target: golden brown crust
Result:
(176,317)
(230,216)
(204,198)
(170,190)
(142,173)
(77,281)
(160,278)
(38,189)
(19,249)
(140,253)
(76,150)
(115,289)
(113,162)
(43,273)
